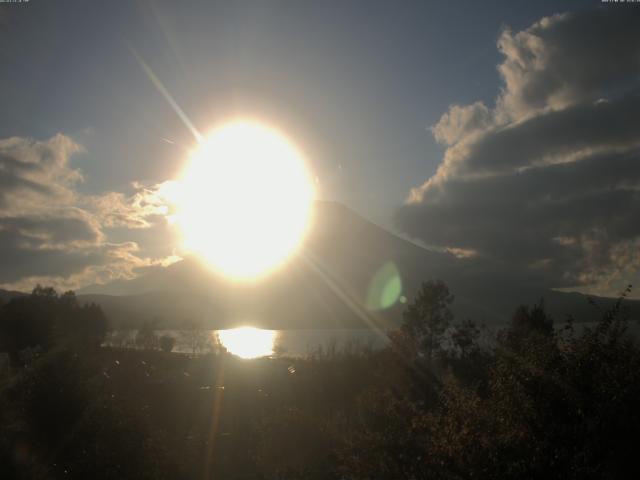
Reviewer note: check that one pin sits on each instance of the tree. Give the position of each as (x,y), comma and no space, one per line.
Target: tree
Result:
(535,319)
(44,319)
(146,337)
(427,319)
(167,342)
(196,337)
(464,338)
(554,407)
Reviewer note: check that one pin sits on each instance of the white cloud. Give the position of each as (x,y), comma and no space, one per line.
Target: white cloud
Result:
(462,121)
(52,234)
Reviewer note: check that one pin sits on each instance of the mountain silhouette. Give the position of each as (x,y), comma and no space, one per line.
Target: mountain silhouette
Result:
(328,284)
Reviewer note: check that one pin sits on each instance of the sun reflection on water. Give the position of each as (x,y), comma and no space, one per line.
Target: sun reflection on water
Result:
(248,342)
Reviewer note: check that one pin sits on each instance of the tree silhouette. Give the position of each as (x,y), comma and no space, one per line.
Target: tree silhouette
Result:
(196,337)
(146,337)
(167,342)
(44,319)
(427,319)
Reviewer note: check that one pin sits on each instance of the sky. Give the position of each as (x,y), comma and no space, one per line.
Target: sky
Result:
(441,121)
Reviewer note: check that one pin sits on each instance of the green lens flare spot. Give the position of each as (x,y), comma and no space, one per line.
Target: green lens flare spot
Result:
(385,287)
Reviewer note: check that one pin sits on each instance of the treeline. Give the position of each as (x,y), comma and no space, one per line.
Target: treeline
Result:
(541,401)
(38,322)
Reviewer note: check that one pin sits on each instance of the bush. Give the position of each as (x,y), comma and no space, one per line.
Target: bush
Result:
(167,342)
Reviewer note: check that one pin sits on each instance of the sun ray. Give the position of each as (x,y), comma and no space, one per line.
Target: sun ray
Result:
(167,96)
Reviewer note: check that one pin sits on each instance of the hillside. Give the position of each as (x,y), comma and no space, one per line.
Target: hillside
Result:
(326,286)
(329,284)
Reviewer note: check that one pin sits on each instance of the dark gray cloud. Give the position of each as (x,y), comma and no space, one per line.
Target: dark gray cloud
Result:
(547,183)
(557,136)
(568,59)
(53,230)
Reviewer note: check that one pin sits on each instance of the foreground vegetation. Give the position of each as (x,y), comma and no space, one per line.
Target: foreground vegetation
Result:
(538,402)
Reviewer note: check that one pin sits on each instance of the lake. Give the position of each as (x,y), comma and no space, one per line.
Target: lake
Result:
(293,343)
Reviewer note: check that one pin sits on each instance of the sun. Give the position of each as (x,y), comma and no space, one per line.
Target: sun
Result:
(244,200)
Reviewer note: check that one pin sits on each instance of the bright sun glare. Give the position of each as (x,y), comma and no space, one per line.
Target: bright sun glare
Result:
(248,342)
(244,200)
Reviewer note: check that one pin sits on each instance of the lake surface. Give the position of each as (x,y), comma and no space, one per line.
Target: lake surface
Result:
(293,343)
(306,342)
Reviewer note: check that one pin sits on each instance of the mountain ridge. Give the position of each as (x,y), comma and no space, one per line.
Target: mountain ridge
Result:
(327,284)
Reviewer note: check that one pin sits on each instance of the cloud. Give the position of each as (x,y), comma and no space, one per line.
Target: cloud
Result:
(461,121)
(32,172)
(139,210)
(52,234)
(547,182)
(568,59)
